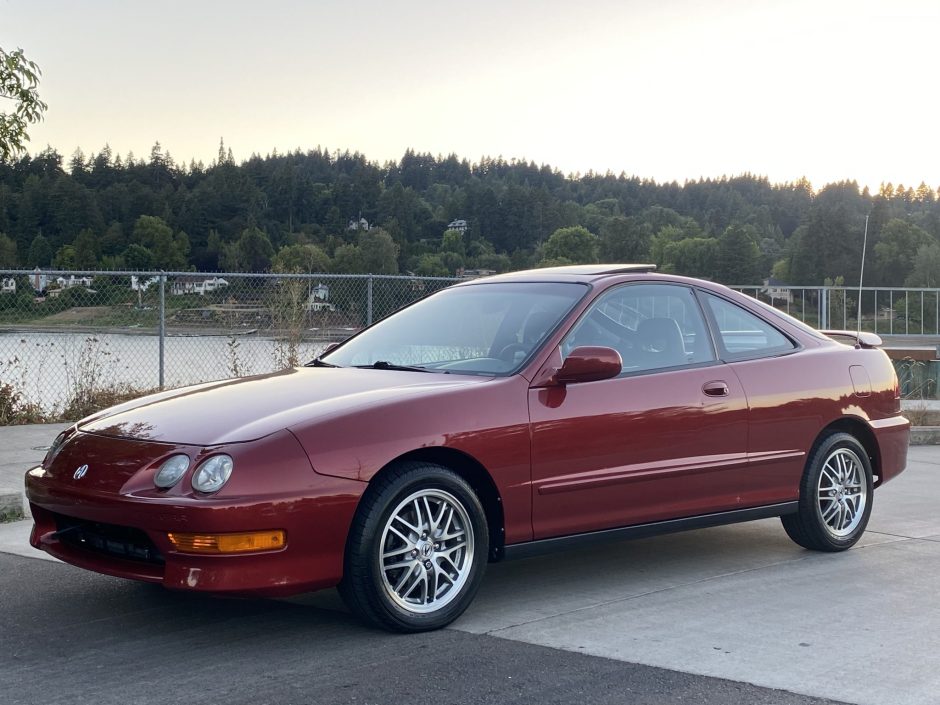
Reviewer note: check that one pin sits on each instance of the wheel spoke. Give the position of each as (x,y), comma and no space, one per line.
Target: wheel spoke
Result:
(429,514)
(418,517)
(402,580)
(433,583)
(440,516)
(449,551)
(400,535)
(417,576)
(455,535)
(400,564)
(407,524)
(828,512)
(396,552)
(447,558)
(440,572)
(425,586)
(450,520)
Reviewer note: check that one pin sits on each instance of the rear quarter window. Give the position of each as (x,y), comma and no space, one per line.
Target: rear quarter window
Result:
(742,334)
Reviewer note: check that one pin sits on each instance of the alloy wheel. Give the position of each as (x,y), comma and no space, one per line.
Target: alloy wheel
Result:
(426,551)
(842,492)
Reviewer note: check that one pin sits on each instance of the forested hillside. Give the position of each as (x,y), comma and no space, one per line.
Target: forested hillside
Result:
(294,212)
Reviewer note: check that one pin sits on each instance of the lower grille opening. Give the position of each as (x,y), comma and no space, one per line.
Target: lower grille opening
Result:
(108,539)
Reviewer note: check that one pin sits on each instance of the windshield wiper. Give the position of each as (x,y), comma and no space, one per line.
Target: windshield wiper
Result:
(317,362)
(386,365)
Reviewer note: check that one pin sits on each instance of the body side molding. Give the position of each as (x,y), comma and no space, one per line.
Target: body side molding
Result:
(638,531)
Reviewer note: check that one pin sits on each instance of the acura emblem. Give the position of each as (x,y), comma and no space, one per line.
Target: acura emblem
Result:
(80,472)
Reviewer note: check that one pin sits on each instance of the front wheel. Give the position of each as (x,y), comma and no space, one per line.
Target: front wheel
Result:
(417,549)
(836,495)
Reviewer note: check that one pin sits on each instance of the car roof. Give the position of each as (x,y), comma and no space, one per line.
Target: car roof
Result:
(571,273)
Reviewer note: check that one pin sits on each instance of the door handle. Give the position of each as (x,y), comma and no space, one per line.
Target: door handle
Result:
(717,388)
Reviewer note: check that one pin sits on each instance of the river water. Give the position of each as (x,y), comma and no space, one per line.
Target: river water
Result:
(47,368)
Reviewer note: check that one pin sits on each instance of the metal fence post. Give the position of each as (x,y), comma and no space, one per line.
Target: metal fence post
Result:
(162,324)
(369,301)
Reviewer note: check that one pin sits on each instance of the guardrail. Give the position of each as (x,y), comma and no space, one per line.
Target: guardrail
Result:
(885,310)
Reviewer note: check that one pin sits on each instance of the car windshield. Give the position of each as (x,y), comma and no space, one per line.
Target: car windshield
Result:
(473,329)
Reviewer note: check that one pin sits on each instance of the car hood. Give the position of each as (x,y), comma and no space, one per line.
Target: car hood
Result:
(238,410)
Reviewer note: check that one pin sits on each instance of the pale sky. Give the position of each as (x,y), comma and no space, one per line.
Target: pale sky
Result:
(667,89)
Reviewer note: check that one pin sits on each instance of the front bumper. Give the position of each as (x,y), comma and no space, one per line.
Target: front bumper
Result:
(316,521)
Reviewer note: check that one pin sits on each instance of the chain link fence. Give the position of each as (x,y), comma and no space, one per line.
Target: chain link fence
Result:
(71,341)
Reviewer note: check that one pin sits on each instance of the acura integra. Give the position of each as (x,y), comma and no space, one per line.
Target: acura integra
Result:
(495,419)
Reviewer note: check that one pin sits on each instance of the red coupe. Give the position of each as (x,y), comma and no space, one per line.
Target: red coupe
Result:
(495,419)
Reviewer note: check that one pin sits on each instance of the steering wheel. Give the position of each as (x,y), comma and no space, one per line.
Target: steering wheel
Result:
(509,352)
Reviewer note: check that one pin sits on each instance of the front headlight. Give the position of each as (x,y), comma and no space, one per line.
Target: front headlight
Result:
(56,446)
(213,473)
(170,472)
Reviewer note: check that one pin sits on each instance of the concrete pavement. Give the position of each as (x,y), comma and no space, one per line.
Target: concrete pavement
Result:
(21,447)
(71,637)
(740,603)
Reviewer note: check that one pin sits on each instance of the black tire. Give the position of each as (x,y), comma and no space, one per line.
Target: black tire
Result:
(825,520)
(379,539)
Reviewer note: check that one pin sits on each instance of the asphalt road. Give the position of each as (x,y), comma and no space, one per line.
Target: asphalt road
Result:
(74,637)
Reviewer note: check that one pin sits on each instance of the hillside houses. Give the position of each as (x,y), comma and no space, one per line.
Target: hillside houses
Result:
(196,285)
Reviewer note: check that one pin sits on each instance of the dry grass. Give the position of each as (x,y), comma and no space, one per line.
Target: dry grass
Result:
(920,415)
(15,410)
(91,401)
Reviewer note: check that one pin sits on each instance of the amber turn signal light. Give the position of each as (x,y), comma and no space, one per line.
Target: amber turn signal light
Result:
(245,542)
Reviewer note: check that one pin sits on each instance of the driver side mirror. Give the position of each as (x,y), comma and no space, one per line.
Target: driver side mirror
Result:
(588,364)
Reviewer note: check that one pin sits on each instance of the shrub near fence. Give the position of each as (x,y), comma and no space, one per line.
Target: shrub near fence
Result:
(74,341)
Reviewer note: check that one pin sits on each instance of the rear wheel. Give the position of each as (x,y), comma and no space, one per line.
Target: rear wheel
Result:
(836,495)
(417,549)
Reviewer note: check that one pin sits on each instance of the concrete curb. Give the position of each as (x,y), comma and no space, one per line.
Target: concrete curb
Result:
(11,505)
(925,435)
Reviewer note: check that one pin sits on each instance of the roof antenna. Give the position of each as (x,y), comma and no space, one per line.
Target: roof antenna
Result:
(861,275)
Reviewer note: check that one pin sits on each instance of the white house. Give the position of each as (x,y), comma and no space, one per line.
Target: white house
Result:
(73,281)
(360,224)
(138,285)
(196,285)
(475,273)
(460,224)
(319,299)
(9,286)
(777,290)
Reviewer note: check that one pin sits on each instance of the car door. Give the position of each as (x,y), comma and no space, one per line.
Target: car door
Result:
(667,438)
(783,390)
